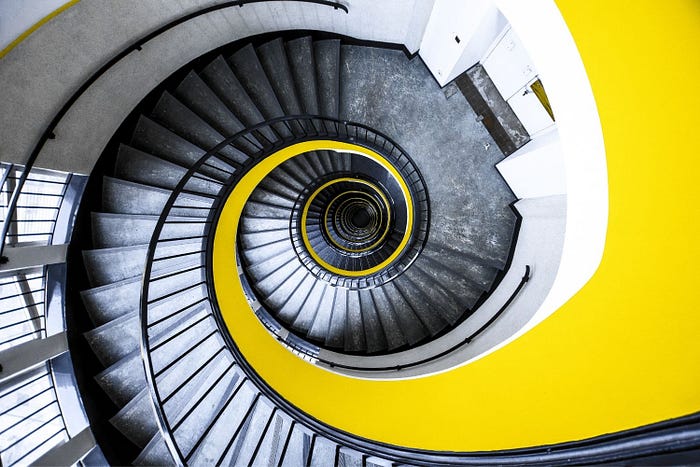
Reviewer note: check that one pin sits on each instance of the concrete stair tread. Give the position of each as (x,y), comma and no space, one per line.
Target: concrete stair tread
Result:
(178,118)
(155,453)
(385,314)
(225,430)
(244,447)
(110,230)
(202,100)
(250,73)
(355,340)
(124,197)
(327,59)
(136,421)
(274,62)
(140,167)
(110,301)
(115,339)
(301,63)
(297,452)
(123,380)
(109,265)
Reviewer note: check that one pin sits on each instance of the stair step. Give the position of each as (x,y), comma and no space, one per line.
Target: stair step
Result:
(298,448)
(421,304)
(109,265)
(216,449)
(385,313)
(322,320)
(327,58)
(323,453)
(354,330)
(336,328)
(202,366)
(190,331)
(155,453)
(193,427)
(195,94)
(394,306)
(276,239)
(250,73)
(374,332)
(248,437)
(116,339)
(262,269)
(155,139)
(294,304)
(250,224)
(255,208)
(276,66)
(468,266)
(124,197)
(301,62)
(445,303)
(136,421)
(279,287)
(465,291)
(111,301)
(221,79)
(270,449)
(177,117)
(123,380)
(310,308)
(140,167)
(350,458)
(116,230)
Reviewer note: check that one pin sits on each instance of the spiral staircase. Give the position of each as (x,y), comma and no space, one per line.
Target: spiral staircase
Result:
(292,192)
(335,248)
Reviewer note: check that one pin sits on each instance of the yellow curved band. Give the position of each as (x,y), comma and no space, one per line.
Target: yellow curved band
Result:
(346,272)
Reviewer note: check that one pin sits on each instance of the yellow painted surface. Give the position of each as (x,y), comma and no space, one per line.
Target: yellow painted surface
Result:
(305,213)
(36,26)
(392,257)
(624,351)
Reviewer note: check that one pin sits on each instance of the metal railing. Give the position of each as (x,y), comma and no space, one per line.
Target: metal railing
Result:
(29,204)
(49,131)
(31,421)
(194,280)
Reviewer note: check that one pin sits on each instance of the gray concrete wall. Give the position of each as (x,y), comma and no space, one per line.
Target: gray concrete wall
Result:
(41,73)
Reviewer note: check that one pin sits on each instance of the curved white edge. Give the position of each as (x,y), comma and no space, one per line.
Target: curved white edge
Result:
(546,37)
(549,44)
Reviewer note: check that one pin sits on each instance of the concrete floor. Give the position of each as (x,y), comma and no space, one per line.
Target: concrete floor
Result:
(469,200)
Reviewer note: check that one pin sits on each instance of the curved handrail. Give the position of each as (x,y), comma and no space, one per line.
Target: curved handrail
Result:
(467,340)
(137,45)
(604,447)
(301,128)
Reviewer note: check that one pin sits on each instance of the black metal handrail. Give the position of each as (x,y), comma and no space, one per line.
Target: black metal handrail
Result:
(467,340)
(49,130)
(287,131)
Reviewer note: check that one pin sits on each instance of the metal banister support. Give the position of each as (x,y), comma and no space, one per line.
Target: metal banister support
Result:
(70,452)
(31,256)
(27,355)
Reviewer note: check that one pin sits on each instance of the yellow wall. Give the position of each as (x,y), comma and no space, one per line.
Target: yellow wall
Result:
(623,352)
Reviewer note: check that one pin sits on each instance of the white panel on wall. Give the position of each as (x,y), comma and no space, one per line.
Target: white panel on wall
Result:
(458,34)
(536,169)
(509,65)
(530,111)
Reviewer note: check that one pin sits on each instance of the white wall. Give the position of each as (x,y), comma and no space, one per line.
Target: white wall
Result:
(40,74)
(536,169)
(477,23)
(17,16)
